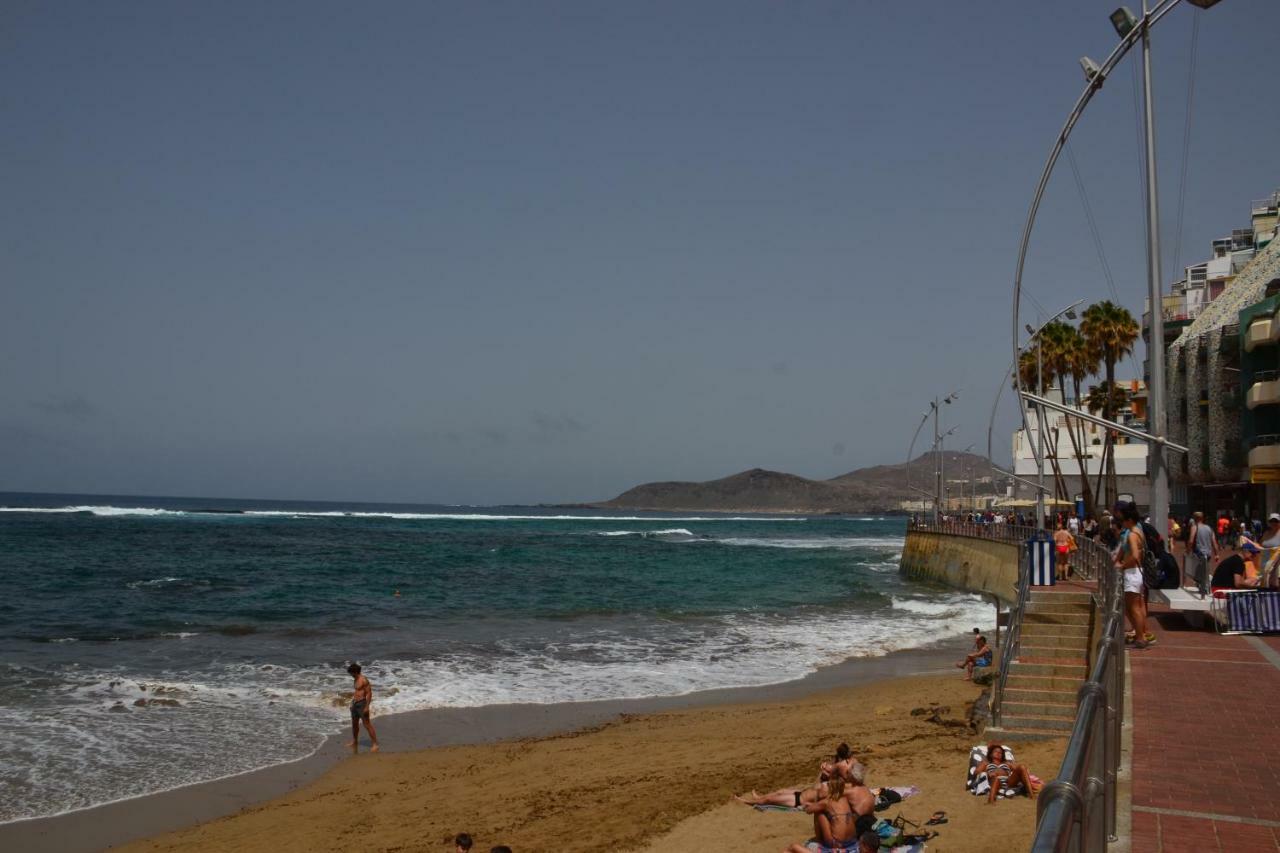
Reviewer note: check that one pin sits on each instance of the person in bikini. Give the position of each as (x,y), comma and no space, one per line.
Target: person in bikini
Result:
(799,797)
(847,811)
(1002,773)
(361,699)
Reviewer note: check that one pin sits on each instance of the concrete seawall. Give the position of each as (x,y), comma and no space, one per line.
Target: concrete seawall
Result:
(968,563)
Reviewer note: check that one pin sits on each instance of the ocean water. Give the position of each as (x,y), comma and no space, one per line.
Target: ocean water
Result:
(150,643)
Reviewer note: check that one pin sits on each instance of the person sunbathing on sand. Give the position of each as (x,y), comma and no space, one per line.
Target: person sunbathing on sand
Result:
(798,797)
(847,811)
(1002,773)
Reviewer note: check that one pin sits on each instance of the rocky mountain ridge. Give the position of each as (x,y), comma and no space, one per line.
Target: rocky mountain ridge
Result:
(880,488)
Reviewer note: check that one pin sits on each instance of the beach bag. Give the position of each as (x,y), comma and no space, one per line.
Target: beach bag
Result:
(886,798)
(1150,563)
(1170,574)
(1153,540)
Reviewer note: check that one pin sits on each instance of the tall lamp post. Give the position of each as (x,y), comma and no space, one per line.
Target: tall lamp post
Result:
(1130,29)
(936,406)
(1056,814)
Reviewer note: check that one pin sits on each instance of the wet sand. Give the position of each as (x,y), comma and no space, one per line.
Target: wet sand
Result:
(652,774)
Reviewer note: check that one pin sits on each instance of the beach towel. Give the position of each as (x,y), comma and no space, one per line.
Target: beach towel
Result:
(978,785)
(903,793)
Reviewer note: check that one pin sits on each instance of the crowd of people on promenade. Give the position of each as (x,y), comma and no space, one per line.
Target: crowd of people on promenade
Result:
(1206,554)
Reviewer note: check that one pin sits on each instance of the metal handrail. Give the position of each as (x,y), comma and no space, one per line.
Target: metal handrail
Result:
(1077,810)
(1013,636)
(1090,561)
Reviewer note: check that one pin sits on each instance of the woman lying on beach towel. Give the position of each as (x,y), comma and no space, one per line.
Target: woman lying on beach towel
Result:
(996,774)
(799,797)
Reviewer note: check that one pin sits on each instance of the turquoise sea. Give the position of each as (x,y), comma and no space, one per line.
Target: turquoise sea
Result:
(153,642)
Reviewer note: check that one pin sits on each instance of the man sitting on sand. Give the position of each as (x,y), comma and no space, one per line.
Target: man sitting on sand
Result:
(799,797)
(980,656)
(361,699)
(847,811)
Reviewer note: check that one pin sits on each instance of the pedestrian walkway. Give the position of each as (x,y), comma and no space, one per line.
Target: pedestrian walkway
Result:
(1206,759)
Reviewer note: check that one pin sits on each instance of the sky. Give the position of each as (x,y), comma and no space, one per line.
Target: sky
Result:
(487,252)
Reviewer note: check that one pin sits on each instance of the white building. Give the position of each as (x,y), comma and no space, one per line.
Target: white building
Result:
(1130,456)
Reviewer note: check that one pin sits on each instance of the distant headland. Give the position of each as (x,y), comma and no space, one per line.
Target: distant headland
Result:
(878,489)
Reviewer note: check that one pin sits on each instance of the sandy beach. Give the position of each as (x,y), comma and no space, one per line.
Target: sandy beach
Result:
(658,782)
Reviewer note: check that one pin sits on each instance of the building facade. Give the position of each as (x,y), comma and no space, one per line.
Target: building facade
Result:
(1211,367)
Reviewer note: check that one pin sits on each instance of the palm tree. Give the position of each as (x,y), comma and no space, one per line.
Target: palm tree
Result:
(1103,398)
(1074,359)
(1038,366)
(1110,332)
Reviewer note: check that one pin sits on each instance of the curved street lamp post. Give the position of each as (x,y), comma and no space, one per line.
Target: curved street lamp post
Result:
(1130,29)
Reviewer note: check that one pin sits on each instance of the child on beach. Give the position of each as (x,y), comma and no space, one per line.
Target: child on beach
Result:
(361,699)
(462,842)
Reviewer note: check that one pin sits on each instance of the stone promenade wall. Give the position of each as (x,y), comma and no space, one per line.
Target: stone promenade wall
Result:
(967,563)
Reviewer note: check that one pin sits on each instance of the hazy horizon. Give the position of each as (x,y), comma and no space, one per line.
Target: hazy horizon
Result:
(500,254)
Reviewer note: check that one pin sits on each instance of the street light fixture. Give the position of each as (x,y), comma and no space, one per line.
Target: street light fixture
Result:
(1090,68)
(1124,21)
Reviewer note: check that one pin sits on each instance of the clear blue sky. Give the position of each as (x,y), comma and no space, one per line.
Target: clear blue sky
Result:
(490,252)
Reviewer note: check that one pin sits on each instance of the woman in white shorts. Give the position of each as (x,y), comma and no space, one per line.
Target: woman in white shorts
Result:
(1129,561)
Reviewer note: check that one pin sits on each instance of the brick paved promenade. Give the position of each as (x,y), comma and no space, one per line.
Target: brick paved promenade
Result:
(1206,741)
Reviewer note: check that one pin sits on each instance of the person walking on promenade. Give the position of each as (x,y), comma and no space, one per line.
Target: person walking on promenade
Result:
(1129,561)
(361,699)
(1062,541)
(1202,545)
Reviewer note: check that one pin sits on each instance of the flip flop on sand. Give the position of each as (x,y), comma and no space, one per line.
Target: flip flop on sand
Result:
(937,819)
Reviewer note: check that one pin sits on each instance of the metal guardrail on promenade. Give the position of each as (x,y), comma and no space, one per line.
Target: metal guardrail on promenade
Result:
(1089,561)
(1077,810)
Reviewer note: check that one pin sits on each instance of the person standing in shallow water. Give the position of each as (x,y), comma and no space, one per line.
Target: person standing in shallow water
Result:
(361,699)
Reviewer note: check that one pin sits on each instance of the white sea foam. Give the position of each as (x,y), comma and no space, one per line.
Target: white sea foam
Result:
(675,531)
(407,516)
(101,736)
(96,510)
(836,542)
(154,582)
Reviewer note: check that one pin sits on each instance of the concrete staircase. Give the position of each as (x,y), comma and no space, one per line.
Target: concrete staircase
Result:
(1040,694)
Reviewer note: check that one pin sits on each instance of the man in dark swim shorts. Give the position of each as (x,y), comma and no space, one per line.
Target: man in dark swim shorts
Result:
(361,699)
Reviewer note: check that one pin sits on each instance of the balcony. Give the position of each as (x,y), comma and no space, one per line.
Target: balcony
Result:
(1266,452)
(1265,390)
(1261,332)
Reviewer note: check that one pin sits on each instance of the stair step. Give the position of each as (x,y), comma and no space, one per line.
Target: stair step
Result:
(1078,643)
(1064,597)
(1009,734)
(1068,670)
(1053,629)
(1050,654)
(1054,683)
(1042,617)
(1043,606)
(1033,721)
(1056,697)
(1055,710)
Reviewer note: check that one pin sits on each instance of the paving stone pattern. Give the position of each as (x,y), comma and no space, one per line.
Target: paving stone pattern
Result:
(1206,742)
